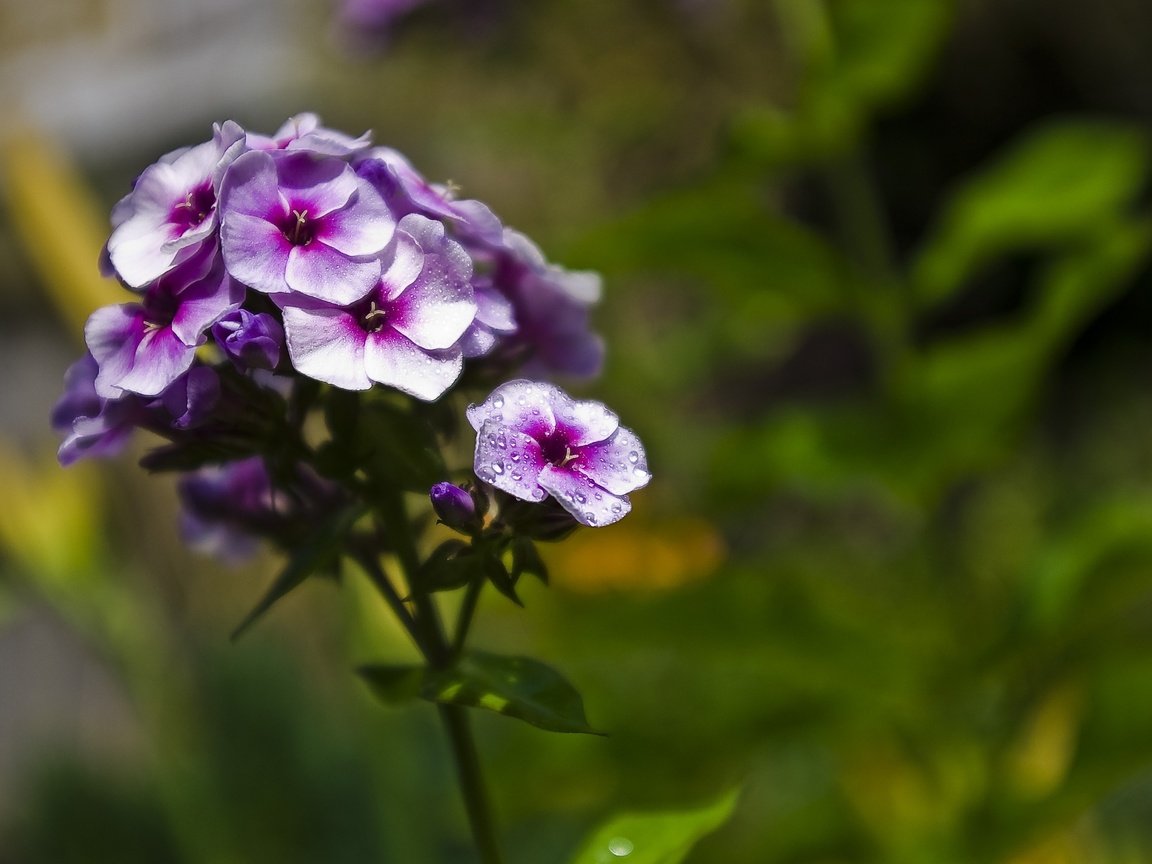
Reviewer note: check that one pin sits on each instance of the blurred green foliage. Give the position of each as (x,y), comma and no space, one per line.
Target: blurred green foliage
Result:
(925,452)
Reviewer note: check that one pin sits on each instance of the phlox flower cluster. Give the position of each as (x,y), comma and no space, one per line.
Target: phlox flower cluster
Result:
(266,271)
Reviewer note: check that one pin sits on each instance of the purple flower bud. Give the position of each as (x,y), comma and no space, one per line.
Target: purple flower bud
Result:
(454,507)
(534,441)
(251,341)
(92,425)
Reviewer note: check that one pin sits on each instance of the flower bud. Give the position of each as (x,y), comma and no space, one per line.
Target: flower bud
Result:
(454,507)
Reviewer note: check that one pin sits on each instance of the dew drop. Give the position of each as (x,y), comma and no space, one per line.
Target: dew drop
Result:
(633,457)
(498,467)
(498,402)
(502,442)
(616,508)
(620,846)
(639,472)
(498,417)
(517,476)
(583,499)
(538,493)
(590,517)
(515,456)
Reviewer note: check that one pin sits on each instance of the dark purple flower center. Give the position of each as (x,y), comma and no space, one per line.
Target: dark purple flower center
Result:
(195,208)
(297,228)
(555,449)
(160,307)
(371,317)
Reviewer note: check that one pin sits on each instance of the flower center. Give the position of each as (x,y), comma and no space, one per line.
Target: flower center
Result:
(555,449)
(195,208)
(373,318)
(297,230)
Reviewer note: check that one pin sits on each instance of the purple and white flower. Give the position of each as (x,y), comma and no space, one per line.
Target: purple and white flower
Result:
(405,333)
(533,441)
(143,347)
(171,209)
(297,221)
(551,306)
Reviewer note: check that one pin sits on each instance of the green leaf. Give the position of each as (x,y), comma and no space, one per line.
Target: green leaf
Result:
(318,552)
(654,838)
(501,579)
(1061,183)
(514,686)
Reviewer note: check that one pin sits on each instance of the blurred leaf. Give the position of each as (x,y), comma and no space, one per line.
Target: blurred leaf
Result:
(654,838)
(451,565)
(854,58)
(1057,185)
(319,551)
(526,559)
(514,686)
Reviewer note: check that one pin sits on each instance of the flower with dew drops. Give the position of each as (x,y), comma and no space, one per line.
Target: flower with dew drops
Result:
(533,440)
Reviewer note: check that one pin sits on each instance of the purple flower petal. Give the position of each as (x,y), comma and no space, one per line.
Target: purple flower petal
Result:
(255,252)
(363,229)
(588,503)
(327,344)
(320,271)
(112,335)
(391,359)
(436,309)
(583,422)
(251,188)
(617,464)
(160,359)
(509,460)
(520,404)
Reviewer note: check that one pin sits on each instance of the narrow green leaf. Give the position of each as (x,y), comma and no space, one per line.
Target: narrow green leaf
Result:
(501,579)
(654,838)
(311,556)
(514,686)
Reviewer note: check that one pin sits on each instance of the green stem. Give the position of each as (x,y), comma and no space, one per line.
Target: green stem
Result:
(467,610)
(439,654)
(455,719)
(388,591)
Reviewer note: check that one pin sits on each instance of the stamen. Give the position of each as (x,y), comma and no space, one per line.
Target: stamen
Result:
(301,219)
(374,315)
(569,456)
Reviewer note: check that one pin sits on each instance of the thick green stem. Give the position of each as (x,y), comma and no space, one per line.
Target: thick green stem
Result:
(480,819)
(467,610)
(439,654)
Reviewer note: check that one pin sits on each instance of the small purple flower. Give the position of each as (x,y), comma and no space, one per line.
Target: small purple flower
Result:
(250,340)
(304,132)
(551,306)
(171,210)
(301,222)
(404,333)
(143,347)
(533,440)
(92,425)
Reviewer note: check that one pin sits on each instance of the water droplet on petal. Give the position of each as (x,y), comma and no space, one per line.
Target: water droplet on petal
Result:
(498,467)
(620,846)
(498,402)
(583,499)
(517,476)
(616,508)
(498,417)
(538,493)
(590,517)
(502,442)
(639,472)
(633,457)
(515,456)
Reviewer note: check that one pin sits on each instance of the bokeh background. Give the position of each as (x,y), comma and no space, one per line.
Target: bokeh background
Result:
(877,298)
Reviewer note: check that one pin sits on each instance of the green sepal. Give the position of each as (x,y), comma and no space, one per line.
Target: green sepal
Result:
(526,559)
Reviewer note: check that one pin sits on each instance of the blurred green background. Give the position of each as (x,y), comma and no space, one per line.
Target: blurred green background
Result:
(877,300)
